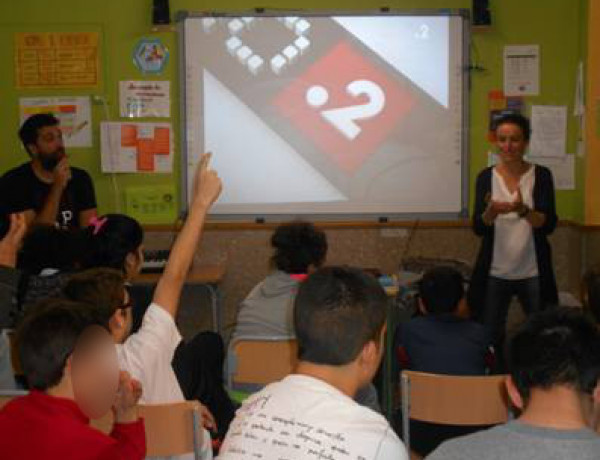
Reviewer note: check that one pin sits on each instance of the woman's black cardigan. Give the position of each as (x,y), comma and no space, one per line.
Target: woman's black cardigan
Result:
(544,202)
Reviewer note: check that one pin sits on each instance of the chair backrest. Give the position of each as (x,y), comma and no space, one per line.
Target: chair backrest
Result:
(8,395)
(260,360)
(455,400)
(452,400)
(171,429)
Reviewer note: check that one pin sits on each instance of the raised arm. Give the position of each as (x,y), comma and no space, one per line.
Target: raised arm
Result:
(49,211)
(207,190)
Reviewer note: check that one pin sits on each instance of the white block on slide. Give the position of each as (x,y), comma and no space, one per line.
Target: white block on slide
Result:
(291,53)
(290,21)
(302,27)
(208,24)
(233,44)
(244,53)
(235,26)
(277,64)
(302,43)
(255,64)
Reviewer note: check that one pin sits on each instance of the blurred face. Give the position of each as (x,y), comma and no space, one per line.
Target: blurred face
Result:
(95,372)
(49,148)
(511,143)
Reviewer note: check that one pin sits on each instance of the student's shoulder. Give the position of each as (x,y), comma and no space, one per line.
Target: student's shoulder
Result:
(474,446)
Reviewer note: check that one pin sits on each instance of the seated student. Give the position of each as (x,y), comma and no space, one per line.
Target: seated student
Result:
(147,354)
(48,257)
(52,421)
(554,362)
(115,241)
(46,188)
(442,341)
(300,248)
(339,319)
(9,281)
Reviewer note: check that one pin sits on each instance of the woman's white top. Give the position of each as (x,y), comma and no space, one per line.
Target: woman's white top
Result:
(514,250)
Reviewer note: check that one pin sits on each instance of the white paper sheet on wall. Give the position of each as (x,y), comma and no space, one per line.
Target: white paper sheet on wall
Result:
(563,170)
(522,70)
(548,131)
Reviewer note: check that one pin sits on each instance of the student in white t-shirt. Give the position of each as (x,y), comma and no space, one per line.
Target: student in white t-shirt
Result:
(339,319)
(147,354)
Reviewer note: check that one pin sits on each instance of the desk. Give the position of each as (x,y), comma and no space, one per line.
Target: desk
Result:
(208,276)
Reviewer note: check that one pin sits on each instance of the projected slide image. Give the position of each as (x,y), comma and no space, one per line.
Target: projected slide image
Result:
(326,113)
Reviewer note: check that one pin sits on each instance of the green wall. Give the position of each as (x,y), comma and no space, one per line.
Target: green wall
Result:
(557,25)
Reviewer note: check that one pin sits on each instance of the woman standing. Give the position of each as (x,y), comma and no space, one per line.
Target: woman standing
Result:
(514,213)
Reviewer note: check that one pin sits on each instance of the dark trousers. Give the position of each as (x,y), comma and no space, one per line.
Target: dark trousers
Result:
(499,294)
(198,365)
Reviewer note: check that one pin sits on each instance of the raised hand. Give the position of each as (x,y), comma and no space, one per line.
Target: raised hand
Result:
(11,243)
(128,395)
(208,184)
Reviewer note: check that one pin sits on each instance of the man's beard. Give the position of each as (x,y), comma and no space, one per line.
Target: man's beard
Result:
(50,161)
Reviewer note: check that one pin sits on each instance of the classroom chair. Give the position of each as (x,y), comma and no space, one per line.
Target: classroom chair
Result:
(253,362)
(452,400)
(171,429)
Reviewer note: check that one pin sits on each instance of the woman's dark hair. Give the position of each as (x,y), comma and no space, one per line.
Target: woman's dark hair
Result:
(517,119)
(555,347)
(298,245)
(111,237)
(47,246)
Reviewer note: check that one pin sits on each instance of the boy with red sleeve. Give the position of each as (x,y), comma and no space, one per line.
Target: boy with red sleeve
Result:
(71,367)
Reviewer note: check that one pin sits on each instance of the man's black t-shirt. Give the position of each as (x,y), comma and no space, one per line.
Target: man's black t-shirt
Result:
(22,190)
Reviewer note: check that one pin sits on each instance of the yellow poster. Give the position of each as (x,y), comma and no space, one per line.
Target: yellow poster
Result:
(57,59)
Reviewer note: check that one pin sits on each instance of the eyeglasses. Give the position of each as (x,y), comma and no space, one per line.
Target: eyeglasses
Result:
(125,306)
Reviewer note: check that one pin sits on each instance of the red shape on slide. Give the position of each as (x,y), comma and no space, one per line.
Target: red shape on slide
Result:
(341,66)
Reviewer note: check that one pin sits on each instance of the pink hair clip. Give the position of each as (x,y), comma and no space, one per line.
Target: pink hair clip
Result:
(97,224)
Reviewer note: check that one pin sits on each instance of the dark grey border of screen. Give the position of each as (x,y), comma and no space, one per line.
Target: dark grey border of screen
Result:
(182,16)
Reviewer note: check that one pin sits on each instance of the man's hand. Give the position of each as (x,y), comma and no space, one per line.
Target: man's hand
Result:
(11,243)
(128,395)
(62,174)
(207,187)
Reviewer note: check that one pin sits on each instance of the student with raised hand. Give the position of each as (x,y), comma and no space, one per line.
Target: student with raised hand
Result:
(70,365)
(554,364)
(147,354)
(339,319)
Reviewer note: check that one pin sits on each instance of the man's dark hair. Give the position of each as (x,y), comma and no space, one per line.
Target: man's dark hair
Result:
(28,133)
(47,337)
(100,289)
(298,245)
(555,347)
(112,240)
(591,291)
(441,289)
(514,118)
(337,311)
